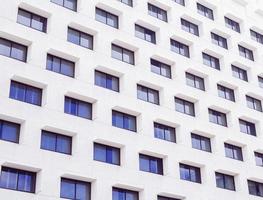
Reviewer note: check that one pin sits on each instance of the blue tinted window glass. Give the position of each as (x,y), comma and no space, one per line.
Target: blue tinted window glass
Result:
(9,131)
(100,152)
(67,189)
(63,144)
(9,179)
(48,141)
(24,182)
(82,191)
(5,47)
(18,91)
(33,96)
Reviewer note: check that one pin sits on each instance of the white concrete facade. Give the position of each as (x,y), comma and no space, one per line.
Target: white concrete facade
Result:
(51,166)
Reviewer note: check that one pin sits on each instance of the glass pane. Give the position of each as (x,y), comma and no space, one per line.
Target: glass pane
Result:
(25,182)
(86,41)
(116,52)
(38,23)
(129,123)
(101,16)
(128,57)
(196,142)
(84,110)
(48,141)
(82,191)
(153,96)
(71,4)
(56,64)
(67,189)
(131,196)
(100,79)
(142,93)
(115,156)
(184,173)
(18,91)
(139,32)
(9,179)
(33,96)
(10,132)
(63,144)
(67,68)
(59,2)
(73,36)
(117,119)
(18,52)
(70,106)
(112,20)
(144,163)
(5,47)
(158,132)
(100,152)
(24,17)
(179,105)
(220,181)
(229,181)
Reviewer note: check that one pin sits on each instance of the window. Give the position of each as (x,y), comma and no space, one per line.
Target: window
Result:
(256,36)
(259,159)
(180,48)
(164,132)
(233,152)
(232,24)
(181,2)
(127,2)
(239,73)
(161,68)
(165,198)
(25,93)
(20,180)
(123,194)
(78,108)
(219,40)
(56,142)
(211,61)
(245,52)
(122,54)
(255,188)
(225,181)
(145,34)
(205,11)
(254,103)
(226,92)
(123,120)
(107,154)
(80,38)
(106,81)
(190,173)
(247,127)
(184,106)
(157,12)
(69,4)
(60,65)
(148,94)
(74,189)
(260,81)
(13,50)
(151,164)
(217,117)
(195,81)
(9,131)
(32,20)
(201,142)
(107,18)
(189,27)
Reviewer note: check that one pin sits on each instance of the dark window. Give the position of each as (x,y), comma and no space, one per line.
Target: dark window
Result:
(151,164)
(205,11)
(20,180)
(122,54)
(195,81)
(184,106)
(217,117)
(123,194)
(32,20)
(106,81)
(25,93)
(127,2)
(225,181)
(78,108)
(160,68)
(190,173)
(69,4)
(80,38)
(145,34)
(255,188)
(107,18)
(259,159)
(247,127)
(74,189)
(180,48)
(123,120)
(245,52)
(107,154)
(232,24)
(9,131)
(211,61)
(60,65)
(260,81)
(233,152)
(165,198)
(13,50)
(219,40)
(164,132)
(254,103)
(190,27)
(148,94)
(201,142)
(256,36)
(181,2)
(56,142)
(226,92)
(239,73)
(157,12)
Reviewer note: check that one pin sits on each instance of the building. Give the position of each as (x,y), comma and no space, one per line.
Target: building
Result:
(131,99)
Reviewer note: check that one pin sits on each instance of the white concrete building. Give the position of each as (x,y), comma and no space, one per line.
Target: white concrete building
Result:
(131,99)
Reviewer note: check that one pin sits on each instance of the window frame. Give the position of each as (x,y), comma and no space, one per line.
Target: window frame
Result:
(256,36)
(256,103)
(122,50)
(246,53)
(151,159)
(146,90)
(224,177)
(180,48)
(233,25)
(200,139)
(195,79)
(219,40)
(108,15)
(258,187)
(214,113)
(214,62)
(161,66)
(242,74)
(250,127)
(164,129)
(80,36)
(236,152)
(125,191)
(185,102)
(203,10)
(18,129)
(226,93)
(127,116)
(189,168)
(107,78)
(159,11)
(140,30)
(189,27)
